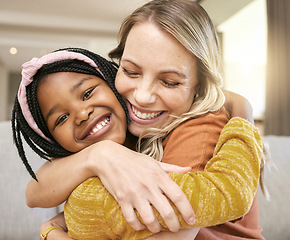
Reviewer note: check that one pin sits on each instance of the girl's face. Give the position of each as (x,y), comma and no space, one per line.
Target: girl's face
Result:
(80,110)
(157,77)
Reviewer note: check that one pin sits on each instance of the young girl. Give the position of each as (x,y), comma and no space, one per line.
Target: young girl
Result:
(71,101)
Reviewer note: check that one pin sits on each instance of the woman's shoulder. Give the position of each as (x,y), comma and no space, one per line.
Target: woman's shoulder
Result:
(210,124)
(238,106)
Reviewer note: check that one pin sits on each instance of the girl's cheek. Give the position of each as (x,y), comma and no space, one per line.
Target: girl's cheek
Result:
(121,84)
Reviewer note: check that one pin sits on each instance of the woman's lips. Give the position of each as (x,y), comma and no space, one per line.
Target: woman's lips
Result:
(144,117)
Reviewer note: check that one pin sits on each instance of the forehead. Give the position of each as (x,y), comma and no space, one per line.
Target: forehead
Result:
(149,45)
(67,79)
(149,37)
(62,86)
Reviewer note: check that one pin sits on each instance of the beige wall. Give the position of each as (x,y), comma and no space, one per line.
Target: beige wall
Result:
(3,94)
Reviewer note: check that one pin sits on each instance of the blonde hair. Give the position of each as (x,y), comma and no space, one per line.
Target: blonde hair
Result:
(190,24)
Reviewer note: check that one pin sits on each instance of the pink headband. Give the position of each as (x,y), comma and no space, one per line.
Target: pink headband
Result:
(29,69)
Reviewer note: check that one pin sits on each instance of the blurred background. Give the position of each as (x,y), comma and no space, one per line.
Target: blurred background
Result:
(32,28)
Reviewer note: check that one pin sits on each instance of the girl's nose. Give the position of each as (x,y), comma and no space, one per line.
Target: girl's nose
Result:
(144,93)
(83,114)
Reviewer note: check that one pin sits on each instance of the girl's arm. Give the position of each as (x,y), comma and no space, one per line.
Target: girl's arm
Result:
(135,187)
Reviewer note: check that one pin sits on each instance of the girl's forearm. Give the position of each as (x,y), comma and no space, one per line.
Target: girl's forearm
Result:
(58,178)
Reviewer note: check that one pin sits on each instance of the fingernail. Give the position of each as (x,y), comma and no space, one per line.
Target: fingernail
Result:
(191,221)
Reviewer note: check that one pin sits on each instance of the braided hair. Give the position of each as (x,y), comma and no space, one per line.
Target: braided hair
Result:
(51,149)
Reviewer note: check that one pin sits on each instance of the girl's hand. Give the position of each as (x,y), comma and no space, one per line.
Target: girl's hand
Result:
(55,234)
(139,182)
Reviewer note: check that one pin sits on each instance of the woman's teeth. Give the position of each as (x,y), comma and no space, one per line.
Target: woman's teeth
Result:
(99,126)
(145,115)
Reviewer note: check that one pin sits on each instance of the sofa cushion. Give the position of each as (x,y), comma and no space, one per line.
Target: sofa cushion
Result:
(17,220)
(275,212)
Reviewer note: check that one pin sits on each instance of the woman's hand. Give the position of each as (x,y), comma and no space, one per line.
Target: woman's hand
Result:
(184,234)
(139,182)
(55,234)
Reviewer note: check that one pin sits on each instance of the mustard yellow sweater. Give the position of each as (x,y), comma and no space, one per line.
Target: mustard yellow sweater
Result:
(224,191)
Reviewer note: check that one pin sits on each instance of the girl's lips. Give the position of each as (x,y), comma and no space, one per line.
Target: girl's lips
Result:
(144,116)
(97,126)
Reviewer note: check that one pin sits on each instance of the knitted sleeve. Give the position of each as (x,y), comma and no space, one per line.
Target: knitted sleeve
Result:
(224,191)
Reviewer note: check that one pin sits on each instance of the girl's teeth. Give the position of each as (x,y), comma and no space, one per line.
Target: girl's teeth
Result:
(100,126)
(145,115)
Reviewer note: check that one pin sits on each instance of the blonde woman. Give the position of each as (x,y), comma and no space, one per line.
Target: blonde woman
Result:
(166,80)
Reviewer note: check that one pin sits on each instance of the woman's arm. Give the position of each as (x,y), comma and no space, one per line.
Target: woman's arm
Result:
(61,233)
(184,234)
(57,234)
(134,187)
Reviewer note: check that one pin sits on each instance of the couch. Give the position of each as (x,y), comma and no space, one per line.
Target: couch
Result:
(20,222)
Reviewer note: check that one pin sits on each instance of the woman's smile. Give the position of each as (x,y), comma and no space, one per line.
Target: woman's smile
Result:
(144,116)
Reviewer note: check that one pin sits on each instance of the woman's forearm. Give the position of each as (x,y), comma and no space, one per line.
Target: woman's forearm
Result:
(184,234)
(58,234)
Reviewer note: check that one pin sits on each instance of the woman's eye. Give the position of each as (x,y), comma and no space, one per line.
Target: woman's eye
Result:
(130,73)
(87,94)
(170,84)
(61,119)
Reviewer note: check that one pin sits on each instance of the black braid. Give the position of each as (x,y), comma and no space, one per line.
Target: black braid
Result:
(20,127)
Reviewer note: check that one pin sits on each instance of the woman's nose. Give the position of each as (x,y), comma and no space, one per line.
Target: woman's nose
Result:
(83,114)
(144,93)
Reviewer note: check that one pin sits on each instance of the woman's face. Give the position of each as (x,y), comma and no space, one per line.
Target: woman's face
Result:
(157,77)
(80,110)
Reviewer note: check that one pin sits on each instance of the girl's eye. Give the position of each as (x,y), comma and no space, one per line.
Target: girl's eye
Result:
(130,73)
(169,84)
(87,94)
(61,119)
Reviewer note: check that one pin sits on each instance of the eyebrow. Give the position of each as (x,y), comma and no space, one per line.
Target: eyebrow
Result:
(51,111)
(164,72)
(74,87)
(80,83)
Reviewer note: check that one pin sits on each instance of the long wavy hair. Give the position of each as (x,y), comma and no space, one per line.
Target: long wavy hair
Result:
(190,24)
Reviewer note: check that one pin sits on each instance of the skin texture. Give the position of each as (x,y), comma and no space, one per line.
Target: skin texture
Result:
(158,79)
